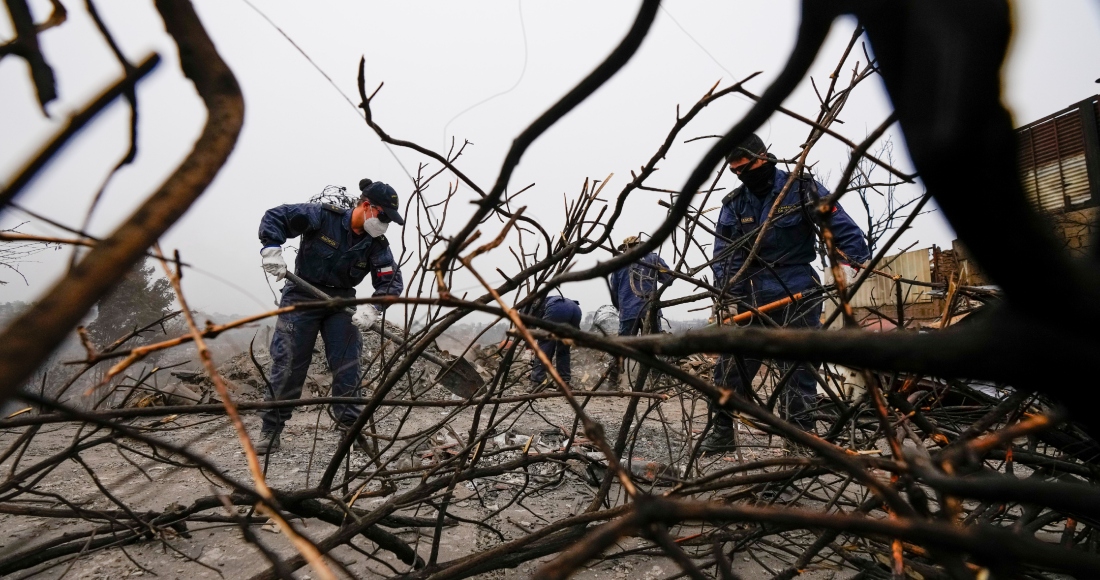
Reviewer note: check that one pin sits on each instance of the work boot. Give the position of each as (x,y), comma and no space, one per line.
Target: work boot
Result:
(268,443)
(719,440)
(614,370)
(360,440)
(534,386)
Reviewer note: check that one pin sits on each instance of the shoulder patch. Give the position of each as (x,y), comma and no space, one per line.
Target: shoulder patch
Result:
(333,208)
(732,195)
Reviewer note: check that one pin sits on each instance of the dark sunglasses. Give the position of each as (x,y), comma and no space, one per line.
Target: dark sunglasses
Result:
(382,217)
(740,168)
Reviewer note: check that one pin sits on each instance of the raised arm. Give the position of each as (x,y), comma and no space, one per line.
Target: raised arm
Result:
(288,221)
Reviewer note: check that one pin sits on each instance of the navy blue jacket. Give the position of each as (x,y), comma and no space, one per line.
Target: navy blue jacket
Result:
(563,310)
(330,254)
(788,246)
(632,286)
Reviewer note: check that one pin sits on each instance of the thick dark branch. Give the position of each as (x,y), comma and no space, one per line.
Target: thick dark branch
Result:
(74,126)
(31,338)
(611,65)
(26,46)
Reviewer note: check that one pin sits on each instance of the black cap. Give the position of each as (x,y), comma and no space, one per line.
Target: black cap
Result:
(750,148)
(382,195)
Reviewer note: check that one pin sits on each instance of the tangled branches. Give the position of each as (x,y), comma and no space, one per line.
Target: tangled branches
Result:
(942,454)
(19,249)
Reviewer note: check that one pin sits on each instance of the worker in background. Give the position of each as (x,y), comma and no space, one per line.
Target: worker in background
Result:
(633,289)
(339,247)
(562,311)
(780,268)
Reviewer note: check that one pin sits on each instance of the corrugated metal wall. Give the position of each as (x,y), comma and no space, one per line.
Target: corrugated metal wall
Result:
(1057,155)
(878,291)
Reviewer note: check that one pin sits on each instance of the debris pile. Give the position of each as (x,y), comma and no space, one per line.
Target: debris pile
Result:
(938,457)
(246,374)
(699,365)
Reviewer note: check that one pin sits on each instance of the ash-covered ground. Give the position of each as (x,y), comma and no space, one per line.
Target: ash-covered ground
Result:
(420,427)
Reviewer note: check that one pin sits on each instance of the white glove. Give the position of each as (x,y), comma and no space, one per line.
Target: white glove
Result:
(850,275)
(273,262)
(365,315)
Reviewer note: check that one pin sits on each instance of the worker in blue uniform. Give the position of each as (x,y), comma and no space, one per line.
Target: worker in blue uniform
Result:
(633,288)
(338,248)
(562,311)
(780,268)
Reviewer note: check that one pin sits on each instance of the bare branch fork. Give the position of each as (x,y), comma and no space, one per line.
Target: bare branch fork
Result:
(955,458)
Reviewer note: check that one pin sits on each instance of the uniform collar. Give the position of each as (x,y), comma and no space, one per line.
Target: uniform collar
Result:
(346,221)
(777,185)
(747,204)
(365,238)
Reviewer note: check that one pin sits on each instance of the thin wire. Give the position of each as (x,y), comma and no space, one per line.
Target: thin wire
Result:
(712,58)
(358,111)
(697,43)
(231,284)
(522,72)
(83,234)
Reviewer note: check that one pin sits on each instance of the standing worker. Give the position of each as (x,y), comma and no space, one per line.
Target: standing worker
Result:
(338,248)
(633,289)
(562,311)
(781,268)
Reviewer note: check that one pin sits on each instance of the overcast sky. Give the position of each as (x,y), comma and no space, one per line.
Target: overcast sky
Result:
(475,71)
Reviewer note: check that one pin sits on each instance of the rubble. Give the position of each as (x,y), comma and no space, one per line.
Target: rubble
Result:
(176,394)
(246,382)
(699,365)
(934,476)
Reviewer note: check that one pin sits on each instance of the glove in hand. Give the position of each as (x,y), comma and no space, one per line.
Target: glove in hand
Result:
(365,315)
(850,275)
(273,262)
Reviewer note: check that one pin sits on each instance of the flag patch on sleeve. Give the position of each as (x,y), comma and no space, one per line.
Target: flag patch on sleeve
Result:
(385,271)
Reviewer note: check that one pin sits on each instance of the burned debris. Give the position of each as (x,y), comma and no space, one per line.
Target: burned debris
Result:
(933,446)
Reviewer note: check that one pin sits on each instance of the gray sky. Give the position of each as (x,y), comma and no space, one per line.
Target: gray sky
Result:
(508,60)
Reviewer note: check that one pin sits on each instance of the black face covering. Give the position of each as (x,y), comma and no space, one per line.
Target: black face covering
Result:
(760,180)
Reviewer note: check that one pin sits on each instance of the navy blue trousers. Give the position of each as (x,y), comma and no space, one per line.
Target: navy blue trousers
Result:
(292,349)
(562,312)
(635,326)
(627,327)
(800,393)
(630,326)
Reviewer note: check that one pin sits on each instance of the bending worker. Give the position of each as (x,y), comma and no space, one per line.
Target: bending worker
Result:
(338,248)
(633,289)
(562,311)
(780,269)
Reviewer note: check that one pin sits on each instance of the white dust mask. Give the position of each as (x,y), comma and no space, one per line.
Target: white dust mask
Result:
(375,227)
